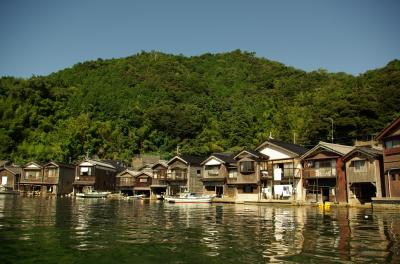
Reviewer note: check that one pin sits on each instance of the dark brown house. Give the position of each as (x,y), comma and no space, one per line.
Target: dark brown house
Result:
(51,178)
(390,138)
(364,171)
(159,181)
(31,178)
(184,174)
(216,170)
(324,174)
(125,182)
(246,184)
(58,178)
(10,177)
(142,183)
(96,175)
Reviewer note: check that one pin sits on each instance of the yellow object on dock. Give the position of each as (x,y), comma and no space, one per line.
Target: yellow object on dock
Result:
(325,206)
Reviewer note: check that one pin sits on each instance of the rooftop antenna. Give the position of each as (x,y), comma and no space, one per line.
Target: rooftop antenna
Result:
(177,150)
(270,135)
(294,137)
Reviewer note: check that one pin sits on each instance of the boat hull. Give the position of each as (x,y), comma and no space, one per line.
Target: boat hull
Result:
(187,200)
(93,195)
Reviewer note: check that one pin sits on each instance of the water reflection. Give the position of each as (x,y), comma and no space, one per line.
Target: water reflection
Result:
(173,233)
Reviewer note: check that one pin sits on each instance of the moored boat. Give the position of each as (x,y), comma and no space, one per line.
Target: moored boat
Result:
(90,193)
(188,198)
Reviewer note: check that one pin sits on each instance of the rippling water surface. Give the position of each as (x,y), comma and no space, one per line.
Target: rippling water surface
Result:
(67,230)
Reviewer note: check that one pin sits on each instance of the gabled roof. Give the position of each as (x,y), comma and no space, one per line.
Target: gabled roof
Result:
(222,157)
(58,164)
(161,162)
(99,163)
(13,169)
(293,148)
(143,173)
(130,172)
(370,152)
(188,159)
(39,164)
(388,128)
(254,153)
(341,150)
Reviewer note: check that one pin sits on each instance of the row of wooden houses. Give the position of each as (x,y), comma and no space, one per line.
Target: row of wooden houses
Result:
(275,171)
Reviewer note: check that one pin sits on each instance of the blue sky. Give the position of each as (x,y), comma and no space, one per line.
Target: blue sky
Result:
(43,36)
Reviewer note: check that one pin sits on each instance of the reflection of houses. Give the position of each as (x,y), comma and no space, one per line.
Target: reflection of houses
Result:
(245,185)
(363,172)
(184,174)
(323,174)
(390,137)
(51,178)
(125,182)
(159,181)
(282,180)
(10,177)
(216,170)
(97,175)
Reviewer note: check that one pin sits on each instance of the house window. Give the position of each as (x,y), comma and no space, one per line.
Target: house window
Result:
(3,180)
(393,143)
(360,166)
(325,163)
(212,170)
(143,180)
(52,172)
(85,171)
(32,174)
(247,189)
(233,173)
(198,173)
(247,166)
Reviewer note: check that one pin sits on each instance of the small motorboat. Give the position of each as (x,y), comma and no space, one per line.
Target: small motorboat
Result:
(90,193)
(189,198)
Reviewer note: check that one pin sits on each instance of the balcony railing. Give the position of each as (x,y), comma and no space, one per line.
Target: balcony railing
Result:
(32,179)
(50,180)
(329,172)
(125,182)
(85,178)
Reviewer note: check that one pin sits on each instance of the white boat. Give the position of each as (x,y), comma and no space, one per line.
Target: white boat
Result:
(90,193)
(137,196)
(188,198)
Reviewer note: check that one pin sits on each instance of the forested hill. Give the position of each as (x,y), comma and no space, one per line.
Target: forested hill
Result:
(153,102)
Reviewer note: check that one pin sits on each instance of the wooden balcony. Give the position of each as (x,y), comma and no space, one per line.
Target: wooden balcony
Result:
(32,179)
(84,180)
(329,172)
(50,180)
(125,182)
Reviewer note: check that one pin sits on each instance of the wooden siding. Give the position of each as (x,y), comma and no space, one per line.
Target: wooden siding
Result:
(221,172)
(12,179)
(369,174)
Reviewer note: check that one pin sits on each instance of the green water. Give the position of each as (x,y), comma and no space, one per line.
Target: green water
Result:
(68,230)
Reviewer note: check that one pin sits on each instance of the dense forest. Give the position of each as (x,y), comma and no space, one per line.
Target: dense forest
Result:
(153,102)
